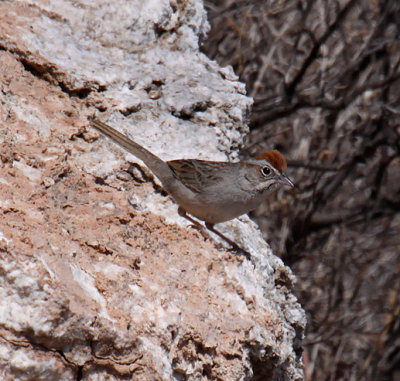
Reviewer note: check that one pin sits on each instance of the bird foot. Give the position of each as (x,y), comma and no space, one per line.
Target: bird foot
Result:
(201,229)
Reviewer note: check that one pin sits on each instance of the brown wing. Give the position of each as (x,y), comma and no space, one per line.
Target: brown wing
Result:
(197,175)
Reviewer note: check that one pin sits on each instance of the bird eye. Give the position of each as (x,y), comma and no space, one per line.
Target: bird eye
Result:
(265,171)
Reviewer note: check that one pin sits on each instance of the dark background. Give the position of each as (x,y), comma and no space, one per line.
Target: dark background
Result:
(325,78)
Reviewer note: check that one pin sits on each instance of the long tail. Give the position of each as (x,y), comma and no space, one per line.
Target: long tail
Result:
(159,167)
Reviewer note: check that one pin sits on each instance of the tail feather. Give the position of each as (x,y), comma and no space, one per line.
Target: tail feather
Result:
(158,166)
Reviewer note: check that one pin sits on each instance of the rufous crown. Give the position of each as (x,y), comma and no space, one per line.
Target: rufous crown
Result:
(275,158)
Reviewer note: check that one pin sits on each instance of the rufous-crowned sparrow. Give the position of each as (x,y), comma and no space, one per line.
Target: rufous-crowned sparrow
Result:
(212,191)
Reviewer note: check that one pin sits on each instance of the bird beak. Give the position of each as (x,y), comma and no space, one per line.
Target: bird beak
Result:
(286,181)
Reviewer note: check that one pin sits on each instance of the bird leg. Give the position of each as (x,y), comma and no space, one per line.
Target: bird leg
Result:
(234,245)
(195,224)
(198,226)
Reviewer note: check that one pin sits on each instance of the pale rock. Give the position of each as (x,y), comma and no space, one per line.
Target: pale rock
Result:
(100,278)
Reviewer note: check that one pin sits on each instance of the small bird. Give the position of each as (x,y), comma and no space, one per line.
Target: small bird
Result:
(211,191)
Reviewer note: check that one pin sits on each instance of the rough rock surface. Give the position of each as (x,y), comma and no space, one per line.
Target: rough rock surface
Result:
(99,276)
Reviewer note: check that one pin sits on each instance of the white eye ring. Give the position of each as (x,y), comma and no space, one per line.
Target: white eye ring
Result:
(265,171)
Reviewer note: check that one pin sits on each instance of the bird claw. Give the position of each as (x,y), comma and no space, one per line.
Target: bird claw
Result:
(202,230)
